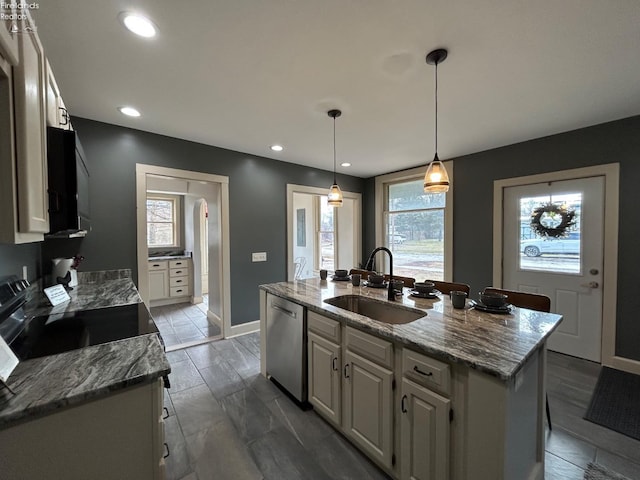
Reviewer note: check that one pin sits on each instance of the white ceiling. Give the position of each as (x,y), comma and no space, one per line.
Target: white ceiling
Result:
(245,74)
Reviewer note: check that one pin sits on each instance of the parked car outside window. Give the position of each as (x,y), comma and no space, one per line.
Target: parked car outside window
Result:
(535,247)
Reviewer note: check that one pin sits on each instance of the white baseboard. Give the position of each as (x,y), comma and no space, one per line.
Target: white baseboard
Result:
(168,301)
(625,364)
(244,328)
(214,318)
(196,300)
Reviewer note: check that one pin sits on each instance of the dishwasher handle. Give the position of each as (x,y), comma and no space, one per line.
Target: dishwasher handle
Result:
(283,310)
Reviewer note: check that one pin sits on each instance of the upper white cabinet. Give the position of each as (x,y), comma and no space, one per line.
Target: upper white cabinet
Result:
(31,135)
(57,115)
(29,101)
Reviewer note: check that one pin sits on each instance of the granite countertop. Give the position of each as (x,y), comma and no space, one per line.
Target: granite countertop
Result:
(46,384)
(169,257)
(496,344)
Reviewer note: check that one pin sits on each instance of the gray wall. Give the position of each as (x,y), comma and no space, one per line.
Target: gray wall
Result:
(13,257)
(257,191)
(473,203)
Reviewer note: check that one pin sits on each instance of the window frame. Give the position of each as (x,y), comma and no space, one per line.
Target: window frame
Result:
(176,201)
(317,247)
(382,183)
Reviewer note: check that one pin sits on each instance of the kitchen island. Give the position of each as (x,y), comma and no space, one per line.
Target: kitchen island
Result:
(93,412)
(459,394)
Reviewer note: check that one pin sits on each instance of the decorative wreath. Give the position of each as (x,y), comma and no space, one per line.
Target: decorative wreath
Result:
(552,228)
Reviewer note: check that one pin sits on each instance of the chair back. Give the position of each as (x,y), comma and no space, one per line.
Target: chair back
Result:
(448,287)
(408,281)
(364,274)
(532,301)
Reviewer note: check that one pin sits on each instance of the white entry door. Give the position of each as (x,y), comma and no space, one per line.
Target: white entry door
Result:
(567,269)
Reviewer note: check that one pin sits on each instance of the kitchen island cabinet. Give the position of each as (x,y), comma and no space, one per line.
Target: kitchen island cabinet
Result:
(469,386)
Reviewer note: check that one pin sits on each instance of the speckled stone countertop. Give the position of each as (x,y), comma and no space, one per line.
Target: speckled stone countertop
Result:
(169,257)
(94,290)
(46,384)
(497,344)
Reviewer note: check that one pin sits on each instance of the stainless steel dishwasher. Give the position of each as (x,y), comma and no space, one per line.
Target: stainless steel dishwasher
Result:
(287,345)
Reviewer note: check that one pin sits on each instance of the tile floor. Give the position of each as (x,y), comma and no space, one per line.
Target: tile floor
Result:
(228,422)
(184,323)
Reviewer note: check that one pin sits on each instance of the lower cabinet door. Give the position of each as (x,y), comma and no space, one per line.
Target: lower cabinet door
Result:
(368,407)
(424,433)
(324,377)
(158,284)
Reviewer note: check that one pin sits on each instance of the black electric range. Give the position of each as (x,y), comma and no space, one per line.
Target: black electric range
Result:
(61,332)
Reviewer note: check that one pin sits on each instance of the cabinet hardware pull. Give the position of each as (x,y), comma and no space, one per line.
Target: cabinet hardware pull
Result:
(346,368)
(166,411)
(334,364)
(156,264)
(167,449)
(179,291)
(283,310)
(426,374)
(64,115)
(178,271)
(402,407)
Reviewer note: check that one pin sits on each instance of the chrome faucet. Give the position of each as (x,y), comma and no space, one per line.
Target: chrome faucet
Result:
(391,293)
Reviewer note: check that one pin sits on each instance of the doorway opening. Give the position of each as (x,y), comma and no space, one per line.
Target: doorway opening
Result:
(183,253)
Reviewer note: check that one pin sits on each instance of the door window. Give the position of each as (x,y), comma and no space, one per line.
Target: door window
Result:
(562,254)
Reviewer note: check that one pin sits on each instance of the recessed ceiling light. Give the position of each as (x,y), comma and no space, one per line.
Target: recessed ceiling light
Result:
(345,164)
(138,24)
(277,148)
(129,111)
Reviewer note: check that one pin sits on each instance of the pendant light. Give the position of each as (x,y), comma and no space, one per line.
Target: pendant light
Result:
(436,180)
(335,194)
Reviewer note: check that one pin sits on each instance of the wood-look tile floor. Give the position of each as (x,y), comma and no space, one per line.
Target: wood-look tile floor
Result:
(228,422)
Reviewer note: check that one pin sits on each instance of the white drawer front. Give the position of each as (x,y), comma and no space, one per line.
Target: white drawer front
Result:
(159,265)
(179,281)
(184,263)
(323,326)
(179,291)
(371,347)
(178,272)
(426,371)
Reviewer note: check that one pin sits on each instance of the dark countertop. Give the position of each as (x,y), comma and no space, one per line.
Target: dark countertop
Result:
(46,384)
(496,344)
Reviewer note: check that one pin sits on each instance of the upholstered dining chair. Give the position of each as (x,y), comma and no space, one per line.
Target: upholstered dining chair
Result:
(448,287)
(532,301)
(408,281)
(364,274)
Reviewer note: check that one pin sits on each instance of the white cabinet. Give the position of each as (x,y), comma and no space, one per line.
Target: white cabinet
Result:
(116,436)
(169,281)
(158,280)
(57,115)
(424,426)
(31,136)
(424,417)
(325,366)
(24,215)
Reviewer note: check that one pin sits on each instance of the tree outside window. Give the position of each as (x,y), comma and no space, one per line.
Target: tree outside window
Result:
(161,222)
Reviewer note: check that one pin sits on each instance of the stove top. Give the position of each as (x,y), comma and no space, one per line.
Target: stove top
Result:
(61,332)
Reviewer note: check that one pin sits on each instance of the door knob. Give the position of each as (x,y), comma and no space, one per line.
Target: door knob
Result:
(591,285)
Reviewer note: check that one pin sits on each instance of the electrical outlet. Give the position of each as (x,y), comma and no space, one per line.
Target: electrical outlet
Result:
(24,273)
(259,257)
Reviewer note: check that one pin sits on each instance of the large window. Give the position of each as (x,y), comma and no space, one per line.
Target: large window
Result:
(413,226)
(162,221)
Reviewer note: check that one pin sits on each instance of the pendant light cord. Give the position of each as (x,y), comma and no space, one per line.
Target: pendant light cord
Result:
(436,109)
(334,150)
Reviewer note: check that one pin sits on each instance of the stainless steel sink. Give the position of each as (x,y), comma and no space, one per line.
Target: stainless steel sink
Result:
(376,309)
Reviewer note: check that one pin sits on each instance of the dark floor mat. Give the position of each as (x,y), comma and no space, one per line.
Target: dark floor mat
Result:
(615,403)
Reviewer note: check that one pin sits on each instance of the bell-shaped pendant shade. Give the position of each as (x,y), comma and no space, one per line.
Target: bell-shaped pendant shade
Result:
(335,196)
(436,180)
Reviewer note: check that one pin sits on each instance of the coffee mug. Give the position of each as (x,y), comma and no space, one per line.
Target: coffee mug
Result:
(355,279)
(323,274)
(458,299)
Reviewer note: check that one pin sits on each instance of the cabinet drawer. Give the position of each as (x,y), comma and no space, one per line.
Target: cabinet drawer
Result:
(159,265)
(370,347)
(178,272)
(426,371)
(179,291)
(323,326)
(179,263)
(179,281)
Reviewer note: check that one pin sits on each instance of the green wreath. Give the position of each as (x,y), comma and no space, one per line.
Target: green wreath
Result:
(552,211)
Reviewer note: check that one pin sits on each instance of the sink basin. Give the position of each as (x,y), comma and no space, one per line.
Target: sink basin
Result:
(376,309)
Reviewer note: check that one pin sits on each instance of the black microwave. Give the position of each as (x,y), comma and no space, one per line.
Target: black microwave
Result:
(68,184)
